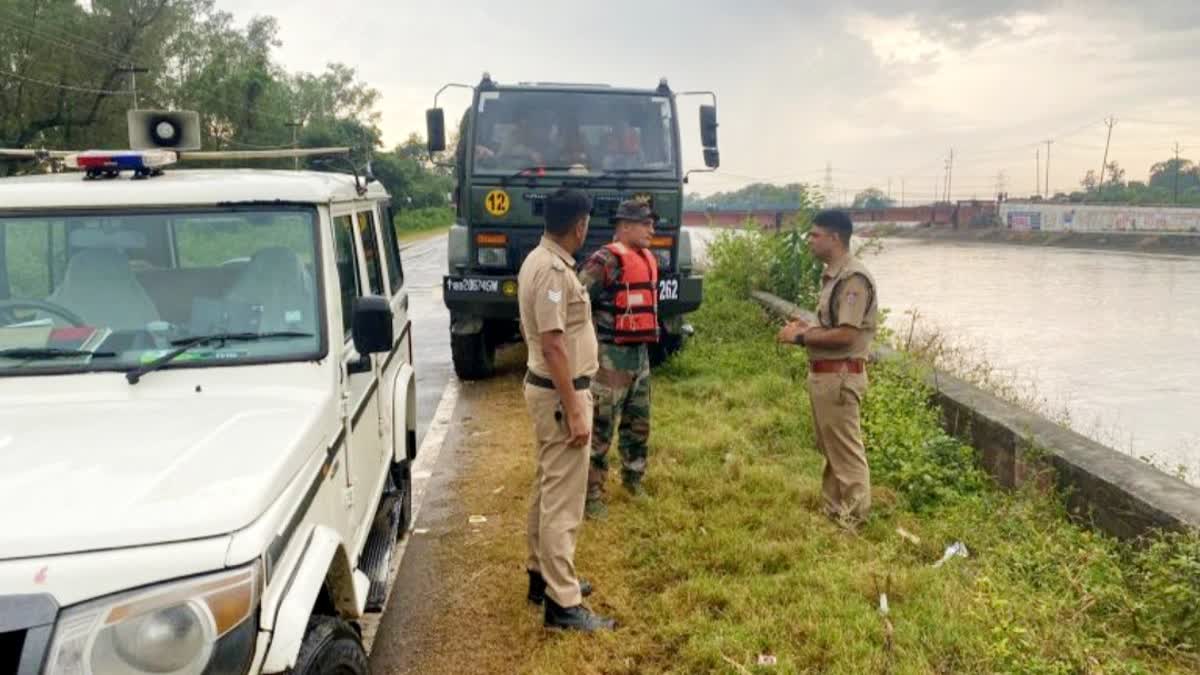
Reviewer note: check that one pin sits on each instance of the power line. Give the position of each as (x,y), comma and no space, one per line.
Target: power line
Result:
(57,34)
(78,49)
(66,87)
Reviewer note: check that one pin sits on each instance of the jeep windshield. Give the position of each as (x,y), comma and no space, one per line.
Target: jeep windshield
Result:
(585,133)
(116,291)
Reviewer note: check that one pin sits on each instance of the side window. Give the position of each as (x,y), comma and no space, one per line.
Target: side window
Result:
(370,249)
(347,267)
(395,267)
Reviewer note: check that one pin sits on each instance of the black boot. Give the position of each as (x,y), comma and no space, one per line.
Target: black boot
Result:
(537,587)
(578,618)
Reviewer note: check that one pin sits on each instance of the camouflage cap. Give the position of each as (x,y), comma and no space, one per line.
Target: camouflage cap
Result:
(634,210)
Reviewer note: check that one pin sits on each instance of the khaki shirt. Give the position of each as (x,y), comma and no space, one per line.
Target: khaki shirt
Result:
(552,299)
(856,305)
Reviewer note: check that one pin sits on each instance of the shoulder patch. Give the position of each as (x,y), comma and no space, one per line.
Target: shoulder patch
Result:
(554,296)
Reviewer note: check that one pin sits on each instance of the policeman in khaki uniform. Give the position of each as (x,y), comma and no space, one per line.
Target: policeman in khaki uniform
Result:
(837,378)
(556,320)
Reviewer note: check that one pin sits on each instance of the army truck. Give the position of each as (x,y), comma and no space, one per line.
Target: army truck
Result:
(516,145)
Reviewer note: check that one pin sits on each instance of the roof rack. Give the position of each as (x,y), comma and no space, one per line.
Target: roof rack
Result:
(147,163)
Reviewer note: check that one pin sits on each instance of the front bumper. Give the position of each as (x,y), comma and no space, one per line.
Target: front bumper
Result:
(495,297)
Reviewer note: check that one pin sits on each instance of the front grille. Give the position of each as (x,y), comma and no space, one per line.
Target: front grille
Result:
(11,644)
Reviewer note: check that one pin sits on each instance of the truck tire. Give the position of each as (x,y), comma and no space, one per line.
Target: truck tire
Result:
(666,347)
(474,356)
(331,646)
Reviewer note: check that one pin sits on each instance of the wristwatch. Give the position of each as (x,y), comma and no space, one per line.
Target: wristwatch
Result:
(799,339)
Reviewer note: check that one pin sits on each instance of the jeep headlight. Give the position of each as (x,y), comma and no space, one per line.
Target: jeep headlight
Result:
(179,628)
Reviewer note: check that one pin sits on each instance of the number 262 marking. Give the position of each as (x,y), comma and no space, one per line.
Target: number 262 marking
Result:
(668,289)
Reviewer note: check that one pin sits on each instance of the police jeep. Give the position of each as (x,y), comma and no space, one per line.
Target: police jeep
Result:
(517,143)
(207,414)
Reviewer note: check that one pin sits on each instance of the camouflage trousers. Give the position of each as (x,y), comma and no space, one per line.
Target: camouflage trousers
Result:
(621,391)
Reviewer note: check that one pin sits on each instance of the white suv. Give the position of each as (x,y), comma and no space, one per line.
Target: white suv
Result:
(207,421)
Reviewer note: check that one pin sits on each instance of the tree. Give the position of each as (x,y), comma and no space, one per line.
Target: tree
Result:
(1173,174)
(765,196)
(872,198)
(1114,175)
(1089,181)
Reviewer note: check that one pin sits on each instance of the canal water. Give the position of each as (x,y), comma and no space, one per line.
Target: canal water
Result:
(1109,338)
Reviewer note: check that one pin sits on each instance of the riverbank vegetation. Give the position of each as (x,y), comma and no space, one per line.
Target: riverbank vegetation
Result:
(729,565)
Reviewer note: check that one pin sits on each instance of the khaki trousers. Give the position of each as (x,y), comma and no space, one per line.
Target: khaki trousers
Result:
(846,482)
(558,495)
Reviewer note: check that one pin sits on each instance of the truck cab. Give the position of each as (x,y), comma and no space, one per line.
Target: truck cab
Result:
(207,419)
(518,143)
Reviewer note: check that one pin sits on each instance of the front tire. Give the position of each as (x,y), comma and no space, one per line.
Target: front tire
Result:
(474,356)
(664,349)
(331,646)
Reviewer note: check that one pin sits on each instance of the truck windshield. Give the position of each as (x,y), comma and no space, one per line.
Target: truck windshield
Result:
(113,291)
(580,132)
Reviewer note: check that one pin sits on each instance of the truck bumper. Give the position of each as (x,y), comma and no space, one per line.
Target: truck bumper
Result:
(495,297)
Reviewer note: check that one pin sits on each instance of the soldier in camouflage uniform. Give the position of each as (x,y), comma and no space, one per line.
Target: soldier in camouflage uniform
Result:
(620,277)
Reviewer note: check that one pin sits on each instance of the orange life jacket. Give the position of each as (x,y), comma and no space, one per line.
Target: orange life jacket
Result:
(635,298)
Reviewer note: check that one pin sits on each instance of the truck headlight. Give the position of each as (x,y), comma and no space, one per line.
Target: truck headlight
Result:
(177,628)
(493,257)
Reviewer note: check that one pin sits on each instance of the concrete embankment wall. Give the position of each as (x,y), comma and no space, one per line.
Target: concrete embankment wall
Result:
(1116,493)
(1098,218)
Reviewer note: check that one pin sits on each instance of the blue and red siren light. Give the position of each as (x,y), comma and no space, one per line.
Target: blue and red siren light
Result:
(115,161)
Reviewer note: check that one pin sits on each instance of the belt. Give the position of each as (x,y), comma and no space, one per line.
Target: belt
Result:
(580,383)
(837,365)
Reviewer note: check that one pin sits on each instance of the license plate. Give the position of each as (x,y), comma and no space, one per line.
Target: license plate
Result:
(473,285)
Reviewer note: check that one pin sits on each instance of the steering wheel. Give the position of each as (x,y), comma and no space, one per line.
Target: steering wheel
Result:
(7,307)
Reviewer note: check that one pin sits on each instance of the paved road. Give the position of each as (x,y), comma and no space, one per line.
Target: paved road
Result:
(414,597)
(424,265)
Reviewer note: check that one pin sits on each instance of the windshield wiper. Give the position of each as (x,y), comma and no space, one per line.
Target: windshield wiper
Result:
(31,353)
(184,344)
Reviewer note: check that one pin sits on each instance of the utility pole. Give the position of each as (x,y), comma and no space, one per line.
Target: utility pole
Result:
(1001,183)
(295,141)
(1038,157)
(1049,142)
(133,71)
(950,177)
(1111,122)
(1175,199)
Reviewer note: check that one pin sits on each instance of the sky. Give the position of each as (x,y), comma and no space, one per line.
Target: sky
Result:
(879,90)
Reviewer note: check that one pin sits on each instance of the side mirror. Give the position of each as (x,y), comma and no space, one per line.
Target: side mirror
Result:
(712,158)
(435,129)
(372,327)
(708,126)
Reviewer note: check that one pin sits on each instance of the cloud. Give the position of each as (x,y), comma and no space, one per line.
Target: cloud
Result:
(877,87)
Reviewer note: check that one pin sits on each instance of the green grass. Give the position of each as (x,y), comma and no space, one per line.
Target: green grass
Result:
(732,559)
(415,224)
